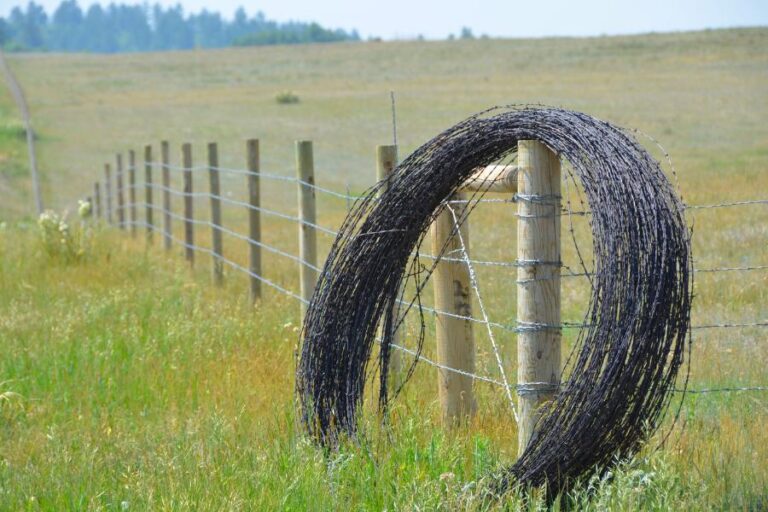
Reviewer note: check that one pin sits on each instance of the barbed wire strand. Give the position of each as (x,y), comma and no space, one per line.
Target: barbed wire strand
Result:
(331,232)
(465,260)
(497,325)
(476,288)
(292,179)
(402,348)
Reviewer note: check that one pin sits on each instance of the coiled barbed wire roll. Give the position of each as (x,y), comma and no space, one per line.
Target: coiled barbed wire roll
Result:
(626,359)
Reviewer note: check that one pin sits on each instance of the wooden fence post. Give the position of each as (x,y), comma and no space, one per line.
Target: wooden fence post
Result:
(215,195)
(108,192)
(97,200)
(386,161)
(165,159)
(538,289)
(305,171)
(132,189)
(148,185)
(189,228)
(120,192)
(453,295)
(254,217)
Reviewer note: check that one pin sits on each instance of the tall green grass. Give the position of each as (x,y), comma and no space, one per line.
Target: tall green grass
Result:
(127,382)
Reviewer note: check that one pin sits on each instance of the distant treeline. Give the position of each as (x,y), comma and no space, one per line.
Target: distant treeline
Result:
(136,28)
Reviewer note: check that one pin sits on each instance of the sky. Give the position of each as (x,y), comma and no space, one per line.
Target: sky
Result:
(435,19)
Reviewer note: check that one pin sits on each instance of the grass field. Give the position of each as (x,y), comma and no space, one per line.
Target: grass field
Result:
(129,383)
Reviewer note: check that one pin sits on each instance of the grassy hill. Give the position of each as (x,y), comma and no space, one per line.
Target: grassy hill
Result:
(701,94)
(128,382)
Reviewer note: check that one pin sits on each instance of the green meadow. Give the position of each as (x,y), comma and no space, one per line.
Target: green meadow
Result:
(129,382)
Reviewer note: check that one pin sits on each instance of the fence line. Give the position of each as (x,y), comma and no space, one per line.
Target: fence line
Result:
(331,232)
(347,196)
(17,91)
(229,262)
(516,329)
(461,257)
(418,355)
(497,325)
(512,264)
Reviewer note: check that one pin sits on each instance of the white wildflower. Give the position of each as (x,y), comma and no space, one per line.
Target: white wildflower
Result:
(84,209)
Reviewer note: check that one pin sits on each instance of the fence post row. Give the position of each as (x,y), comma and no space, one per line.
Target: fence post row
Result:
(386,161)
(455,341)
(165,160)
(132,189)
(150,216)
(537,181)
(97,200)
(215,195)
(120,192)
(538,289)
(189,228)
(305,171)
(108,191)
(254,217)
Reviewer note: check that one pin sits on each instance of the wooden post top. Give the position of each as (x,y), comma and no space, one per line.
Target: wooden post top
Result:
(493,178)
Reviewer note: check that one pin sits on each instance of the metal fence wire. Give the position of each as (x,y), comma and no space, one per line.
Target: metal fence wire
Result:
(130,220)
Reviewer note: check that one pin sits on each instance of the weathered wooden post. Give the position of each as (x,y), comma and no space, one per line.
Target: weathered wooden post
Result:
(108,191)
(254,217)
(386,161)
(215,195)
(538,289)
(165,161)
(453,295)
(120,196)
(132,190)
(148,186)
(305,171)
(189,228)
(97,200)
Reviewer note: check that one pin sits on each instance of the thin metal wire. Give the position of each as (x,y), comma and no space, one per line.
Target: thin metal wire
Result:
(347,196)
(238,267)
(466,260)
(331,232)
(731,269)
(476,288)
(722,390)
(269,248)
(516,329)
(421,357)
(723,205)
(731,325)
(160,165)
(229,262)
(235,202)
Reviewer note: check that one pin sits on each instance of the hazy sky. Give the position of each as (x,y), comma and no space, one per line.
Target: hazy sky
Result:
(510,18)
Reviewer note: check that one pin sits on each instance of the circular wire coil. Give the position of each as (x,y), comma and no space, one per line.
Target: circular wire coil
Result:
(625,361)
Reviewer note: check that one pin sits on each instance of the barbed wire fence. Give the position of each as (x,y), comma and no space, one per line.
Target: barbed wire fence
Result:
(157,206)
(21,102)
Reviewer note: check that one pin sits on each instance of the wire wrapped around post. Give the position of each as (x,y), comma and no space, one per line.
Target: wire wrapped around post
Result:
(625,360)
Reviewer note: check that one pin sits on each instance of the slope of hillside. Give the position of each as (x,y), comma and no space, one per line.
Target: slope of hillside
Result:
(702,94)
